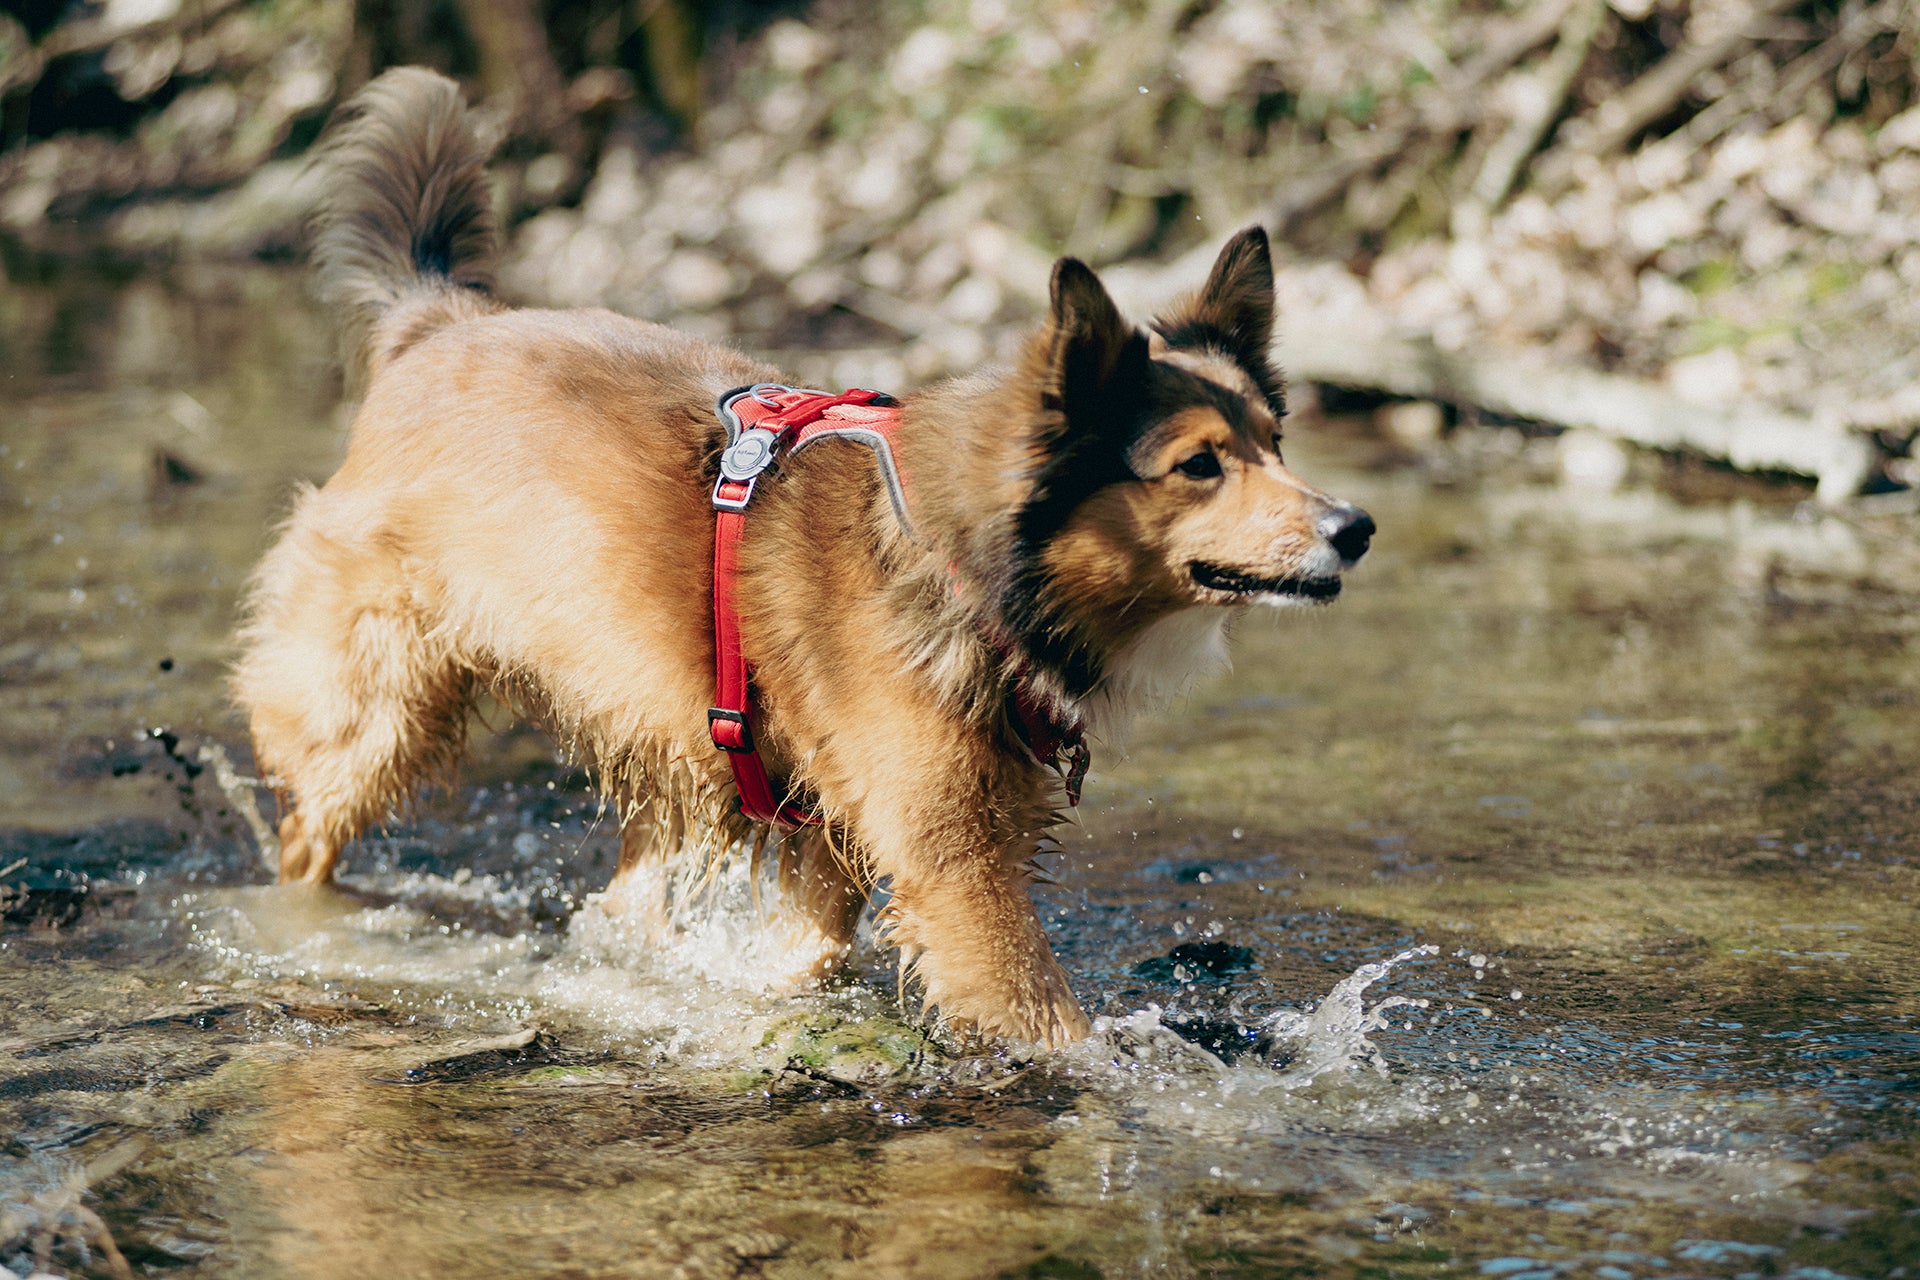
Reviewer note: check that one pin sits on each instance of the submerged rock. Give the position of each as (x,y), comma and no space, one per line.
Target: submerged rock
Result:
(1197,962)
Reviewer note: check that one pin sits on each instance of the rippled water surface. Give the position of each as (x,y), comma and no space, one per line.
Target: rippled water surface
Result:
(1546,908)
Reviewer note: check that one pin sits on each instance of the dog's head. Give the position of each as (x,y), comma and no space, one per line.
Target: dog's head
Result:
(1158,480)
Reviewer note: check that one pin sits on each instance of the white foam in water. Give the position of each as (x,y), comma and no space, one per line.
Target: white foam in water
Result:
(696,968)
(702,982)
(1331,1037)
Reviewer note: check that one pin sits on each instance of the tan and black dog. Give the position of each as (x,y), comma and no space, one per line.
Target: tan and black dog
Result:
(525,509)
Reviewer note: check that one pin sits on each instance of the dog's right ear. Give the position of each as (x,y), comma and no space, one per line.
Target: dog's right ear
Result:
(1092,348)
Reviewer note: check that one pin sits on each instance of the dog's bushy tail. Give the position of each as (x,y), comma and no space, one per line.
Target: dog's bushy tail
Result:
(403,240)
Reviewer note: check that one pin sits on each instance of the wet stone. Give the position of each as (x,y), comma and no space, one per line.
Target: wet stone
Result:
(491,1058)
(49,897)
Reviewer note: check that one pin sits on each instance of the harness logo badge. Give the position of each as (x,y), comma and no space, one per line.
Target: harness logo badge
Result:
(748,456)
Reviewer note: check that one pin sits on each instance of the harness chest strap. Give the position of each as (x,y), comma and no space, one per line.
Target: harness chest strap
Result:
(761,421)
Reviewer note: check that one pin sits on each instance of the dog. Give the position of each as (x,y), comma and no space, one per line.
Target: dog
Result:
(526,509)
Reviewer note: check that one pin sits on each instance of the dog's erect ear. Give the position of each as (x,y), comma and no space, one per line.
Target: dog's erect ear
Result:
(1233,312)
(1093,347)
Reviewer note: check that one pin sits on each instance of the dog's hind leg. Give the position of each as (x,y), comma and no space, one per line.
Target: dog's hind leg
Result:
(353,699)
(402,720)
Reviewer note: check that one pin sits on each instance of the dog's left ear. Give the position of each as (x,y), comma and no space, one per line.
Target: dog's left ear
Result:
(1233,312)
(1093,348)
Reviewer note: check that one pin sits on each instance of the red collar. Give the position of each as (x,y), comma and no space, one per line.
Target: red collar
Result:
(1058,744)
(762,421)
(1057,741)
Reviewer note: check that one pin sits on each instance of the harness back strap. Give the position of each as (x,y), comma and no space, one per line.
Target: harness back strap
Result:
(761,421)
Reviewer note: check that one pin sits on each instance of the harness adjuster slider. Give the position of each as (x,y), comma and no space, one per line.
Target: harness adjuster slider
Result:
(729,730)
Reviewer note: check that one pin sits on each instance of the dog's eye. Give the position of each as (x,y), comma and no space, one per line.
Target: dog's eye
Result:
(1201,466)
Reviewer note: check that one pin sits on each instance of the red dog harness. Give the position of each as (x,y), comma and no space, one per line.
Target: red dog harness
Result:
(762,421)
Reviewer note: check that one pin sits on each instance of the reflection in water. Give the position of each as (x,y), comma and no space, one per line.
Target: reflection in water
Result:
(1586,817)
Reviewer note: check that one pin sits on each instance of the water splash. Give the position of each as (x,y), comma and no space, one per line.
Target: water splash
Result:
(1294,1048)
(1333,1036)
(699,977)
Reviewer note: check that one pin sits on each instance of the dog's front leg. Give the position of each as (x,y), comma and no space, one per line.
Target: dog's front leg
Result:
(962,920)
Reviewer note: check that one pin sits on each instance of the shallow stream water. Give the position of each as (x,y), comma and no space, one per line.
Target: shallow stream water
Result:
(1545,908)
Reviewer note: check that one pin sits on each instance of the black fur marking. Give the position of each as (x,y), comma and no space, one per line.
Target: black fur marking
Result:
(1096,446)
(1201,335)
(433,251)
(1233,314)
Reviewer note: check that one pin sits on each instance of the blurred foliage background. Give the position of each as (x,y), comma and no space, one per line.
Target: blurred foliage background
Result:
(1718,199)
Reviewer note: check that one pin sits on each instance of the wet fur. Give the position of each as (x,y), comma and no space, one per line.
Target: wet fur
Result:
(523,510)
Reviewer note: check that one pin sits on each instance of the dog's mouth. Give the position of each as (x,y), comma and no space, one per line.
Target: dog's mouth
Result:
(1215,578)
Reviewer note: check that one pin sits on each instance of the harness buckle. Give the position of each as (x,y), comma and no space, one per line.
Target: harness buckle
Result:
(729,730)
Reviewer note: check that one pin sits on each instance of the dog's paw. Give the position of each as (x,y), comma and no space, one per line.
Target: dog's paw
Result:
(1037,1007)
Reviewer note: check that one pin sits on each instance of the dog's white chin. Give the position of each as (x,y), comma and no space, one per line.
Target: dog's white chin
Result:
(1163,662)
(1285,600)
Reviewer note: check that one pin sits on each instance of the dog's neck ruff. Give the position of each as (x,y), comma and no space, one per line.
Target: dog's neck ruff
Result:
(763,421)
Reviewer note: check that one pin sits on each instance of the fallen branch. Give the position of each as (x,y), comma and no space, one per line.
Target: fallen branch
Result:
(1447,106)
(1373,206)
(1787,90)
(37,1225)
(1610,125)
(1523,135)
(92,34)
(1748,437)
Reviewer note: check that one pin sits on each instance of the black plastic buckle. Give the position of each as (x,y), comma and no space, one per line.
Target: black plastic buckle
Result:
(717,714)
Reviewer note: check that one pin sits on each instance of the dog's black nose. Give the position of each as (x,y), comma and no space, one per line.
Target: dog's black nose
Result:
(1349,530)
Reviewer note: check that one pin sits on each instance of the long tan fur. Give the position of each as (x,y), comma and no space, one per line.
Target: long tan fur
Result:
(524,509)
(404,239)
